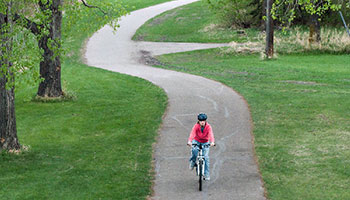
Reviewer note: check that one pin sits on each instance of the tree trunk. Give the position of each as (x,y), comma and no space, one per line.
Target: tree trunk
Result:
(50,67)
(269,30)
(263,13)
(315,30)
(8,131)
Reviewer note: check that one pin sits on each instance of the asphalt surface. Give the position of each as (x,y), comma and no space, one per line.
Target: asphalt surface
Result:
(234,172)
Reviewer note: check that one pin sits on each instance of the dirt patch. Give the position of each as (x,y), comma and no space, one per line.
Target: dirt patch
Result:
(325,119)
(180,18)
(163,38)
(211,28)
(83,52)
(301,82)
(308,91)
(247,47)
(140,38)
(147,59)
(161,19)
(230,73)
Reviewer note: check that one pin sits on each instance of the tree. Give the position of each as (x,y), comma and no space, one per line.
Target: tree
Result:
(47,26)
(285,12)
(8,131)
(269,50)
(314,29)
(44,21)
(50,66)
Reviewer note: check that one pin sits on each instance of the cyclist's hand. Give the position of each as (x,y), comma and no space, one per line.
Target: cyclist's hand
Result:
(189,143)
(212,144)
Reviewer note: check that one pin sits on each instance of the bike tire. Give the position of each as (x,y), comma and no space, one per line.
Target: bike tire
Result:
(200,176)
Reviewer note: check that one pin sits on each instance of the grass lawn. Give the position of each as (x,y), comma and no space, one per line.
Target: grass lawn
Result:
(138,4)
(98,146)
(190,23)
(300,108)
(299,103)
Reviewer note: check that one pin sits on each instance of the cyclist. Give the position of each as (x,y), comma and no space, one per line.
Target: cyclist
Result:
(201,134)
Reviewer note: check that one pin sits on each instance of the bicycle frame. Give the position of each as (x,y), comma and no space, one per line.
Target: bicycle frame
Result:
(200,162)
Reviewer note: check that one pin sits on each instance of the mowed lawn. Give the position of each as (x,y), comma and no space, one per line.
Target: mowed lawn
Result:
(191,23)
(97,145)
(300,107)
(299,102)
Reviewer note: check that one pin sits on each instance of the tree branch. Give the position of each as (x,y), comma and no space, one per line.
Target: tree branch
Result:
(3,18)
(90,6)
(28,24)
(43,6)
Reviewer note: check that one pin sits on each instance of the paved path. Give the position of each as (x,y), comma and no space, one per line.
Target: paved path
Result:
(234,172)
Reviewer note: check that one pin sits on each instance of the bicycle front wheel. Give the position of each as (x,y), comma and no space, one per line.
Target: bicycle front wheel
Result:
(200,167)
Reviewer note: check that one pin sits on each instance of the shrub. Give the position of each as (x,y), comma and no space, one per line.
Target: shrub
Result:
(233,13)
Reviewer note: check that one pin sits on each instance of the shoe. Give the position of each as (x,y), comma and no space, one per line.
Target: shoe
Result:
(207,178)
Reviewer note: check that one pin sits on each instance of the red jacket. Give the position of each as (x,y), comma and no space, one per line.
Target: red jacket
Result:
(204,137)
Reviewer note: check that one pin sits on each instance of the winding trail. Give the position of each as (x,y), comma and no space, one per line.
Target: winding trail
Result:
(234,172)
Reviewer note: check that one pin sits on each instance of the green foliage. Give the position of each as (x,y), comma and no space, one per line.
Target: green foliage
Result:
(19,48)
(107,12)
(26,55)
(233,13)
(286,11)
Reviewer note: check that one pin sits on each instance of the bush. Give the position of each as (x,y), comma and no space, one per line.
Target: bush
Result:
(233,13)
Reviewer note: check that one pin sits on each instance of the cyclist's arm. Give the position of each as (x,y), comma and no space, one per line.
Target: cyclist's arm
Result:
(192,135)
(211,136)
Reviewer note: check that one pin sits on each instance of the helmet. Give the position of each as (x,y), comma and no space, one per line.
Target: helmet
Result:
(202,117)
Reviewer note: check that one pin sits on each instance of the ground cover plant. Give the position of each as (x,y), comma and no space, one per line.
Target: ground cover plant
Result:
(299,101)
(96,145)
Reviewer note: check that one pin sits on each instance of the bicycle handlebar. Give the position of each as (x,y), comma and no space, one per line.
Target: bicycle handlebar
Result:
(200,145)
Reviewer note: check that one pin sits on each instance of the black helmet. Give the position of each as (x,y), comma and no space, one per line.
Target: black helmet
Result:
(202,117)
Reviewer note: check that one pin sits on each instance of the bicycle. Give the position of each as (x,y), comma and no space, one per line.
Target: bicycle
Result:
(200,163)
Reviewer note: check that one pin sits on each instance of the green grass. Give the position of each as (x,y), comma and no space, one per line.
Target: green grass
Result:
(300,108)
(138,4)
(98,146)
(190,23)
